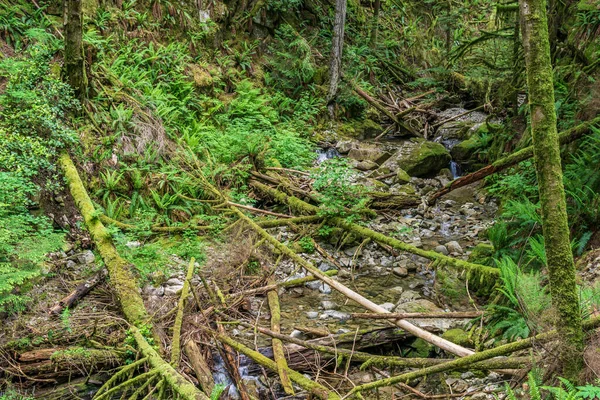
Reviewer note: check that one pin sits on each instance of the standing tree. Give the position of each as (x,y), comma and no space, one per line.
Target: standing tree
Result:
(375,24)
(336,52)
(74,62)
(546,150)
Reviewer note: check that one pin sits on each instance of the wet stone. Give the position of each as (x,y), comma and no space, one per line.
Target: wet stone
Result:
(312,314)
(329,305)
(400,271)
(87,257)
(441,249)
(335,314)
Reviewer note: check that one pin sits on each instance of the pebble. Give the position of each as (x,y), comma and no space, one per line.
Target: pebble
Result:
(298,334)
(454,247)
(325,289)
(388,306)
(71,264)
(441,249)
(335,314)
(312,314)
(400,271)
(329,305)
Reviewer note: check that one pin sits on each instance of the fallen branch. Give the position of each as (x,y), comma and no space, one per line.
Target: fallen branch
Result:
(77,294)
(278,353)
(285,284)
(200,366)
(564,137)
(456,117)
(465,314)
(175,343)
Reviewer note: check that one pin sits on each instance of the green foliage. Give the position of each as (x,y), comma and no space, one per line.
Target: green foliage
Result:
(307,244)
(217,391)
(564,391)
(338,193)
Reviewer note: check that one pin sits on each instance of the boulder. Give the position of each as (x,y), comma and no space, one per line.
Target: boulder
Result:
(454,247)
(366,165)
(402,176)
(417,306)
(458,336)
(418,157)
(369,152)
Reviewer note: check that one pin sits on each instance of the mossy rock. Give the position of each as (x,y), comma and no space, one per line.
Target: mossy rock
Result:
(458,336)
(365,128)
(402,176)
(465,151)
(418,157)
(420,349)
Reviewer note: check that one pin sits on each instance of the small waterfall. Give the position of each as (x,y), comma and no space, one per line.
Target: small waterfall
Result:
(326,154)
(455,169)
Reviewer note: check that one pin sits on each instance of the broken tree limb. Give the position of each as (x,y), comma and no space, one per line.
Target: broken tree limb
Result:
(438,124)
(155,228)
(77,294)
(382,109)
(175,343)
(482,271)
(352,295)
(315,388)
(466,362)
(200,366)
(564,137)
(278,354)
(459,314)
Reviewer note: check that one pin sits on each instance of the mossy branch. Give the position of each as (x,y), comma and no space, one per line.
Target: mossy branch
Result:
(175,343)
(278,353)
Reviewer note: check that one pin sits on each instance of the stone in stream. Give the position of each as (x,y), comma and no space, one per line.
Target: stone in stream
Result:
(454,247)
(369,152)
(402,176)
(402,272)
(344,146)
(408,295)
(367,165)
(388,306)
(418,157)
(335,314)
(312,315)
(415,306)
(441,249)
(329,305)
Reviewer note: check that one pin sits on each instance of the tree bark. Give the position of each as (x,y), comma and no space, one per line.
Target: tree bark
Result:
(335,64)
(375,24)
(546,150)
(74,60)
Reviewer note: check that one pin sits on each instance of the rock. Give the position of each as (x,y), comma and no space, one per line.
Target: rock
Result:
(419,157)
(402,176)
(415,306)
(71,264)
(344,146)
(467,375)
(87,257)
(312,314)
(441,249)
(417,242)
(298,334)
(133,244)
(329,305)
(369,152)
(397,289)
(454,247)
(325,288)
(173,286)
(335,314)
(386,261)
(367,165)
(388,306)
(400,271)
(420,349)
(409,295)
(325,267)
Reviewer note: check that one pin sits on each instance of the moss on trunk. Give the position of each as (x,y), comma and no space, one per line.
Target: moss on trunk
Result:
(546,151)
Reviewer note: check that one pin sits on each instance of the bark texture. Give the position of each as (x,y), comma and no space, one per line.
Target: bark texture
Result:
(74,61)
(337,45)
(546,150)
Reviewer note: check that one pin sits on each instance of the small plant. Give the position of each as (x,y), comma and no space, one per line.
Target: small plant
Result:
(307,244)
(65,319)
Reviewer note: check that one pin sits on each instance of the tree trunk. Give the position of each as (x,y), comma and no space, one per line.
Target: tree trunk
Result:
(552,195)
(74,61)
(336,52)
(375,24)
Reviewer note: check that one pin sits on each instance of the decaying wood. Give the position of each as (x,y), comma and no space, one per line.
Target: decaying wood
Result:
(284,284)
(278,353)
(564,137)
(77,294)
(458,314)
(455,117)
(200,366)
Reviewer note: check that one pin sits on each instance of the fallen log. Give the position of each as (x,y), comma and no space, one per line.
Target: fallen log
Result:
(458,314)
(200,366)
(481,271)
(564,137)
(124,283)
(278,353)
(468,361)
(176,342)
(77,294)
(285,284)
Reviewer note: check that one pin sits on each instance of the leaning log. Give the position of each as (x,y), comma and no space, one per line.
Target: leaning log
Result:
(564,137)
(78,293)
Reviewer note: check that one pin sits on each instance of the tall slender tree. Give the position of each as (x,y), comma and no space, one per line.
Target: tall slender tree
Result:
(74,61)
(336,52)
(375,24)
(546,151)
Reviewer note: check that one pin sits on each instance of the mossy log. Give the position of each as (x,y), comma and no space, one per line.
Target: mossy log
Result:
(313,387)
(467,362)
(200,366)
(278,353)
(120,271)
(176,342)
(485,274)
(384,200)
(564,137)
(59,364)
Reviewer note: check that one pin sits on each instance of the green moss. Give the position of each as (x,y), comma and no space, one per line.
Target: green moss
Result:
(420,348)
(458,336)
(402,176)
(482,253)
